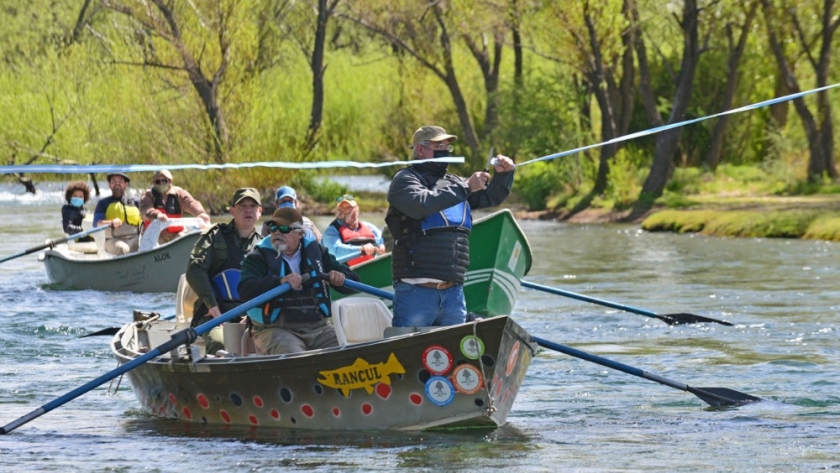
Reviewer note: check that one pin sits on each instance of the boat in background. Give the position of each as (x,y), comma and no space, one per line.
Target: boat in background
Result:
(499,257)
(153,268)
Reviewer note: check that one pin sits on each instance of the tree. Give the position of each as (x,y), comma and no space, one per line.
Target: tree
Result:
(814,46)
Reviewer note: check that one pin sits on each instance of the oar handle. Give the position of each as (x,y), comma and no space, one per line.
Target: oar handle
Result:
(178,338)
(361,287)
(347,258)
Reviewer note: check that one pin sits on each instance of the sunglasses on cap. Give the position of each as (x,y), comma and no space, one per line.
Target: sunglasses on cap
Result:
(345,197)
(273,227)
(161,181)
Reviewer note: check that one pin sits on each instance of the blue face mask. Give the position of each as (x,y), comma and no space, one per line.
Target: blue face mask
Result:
(77,201)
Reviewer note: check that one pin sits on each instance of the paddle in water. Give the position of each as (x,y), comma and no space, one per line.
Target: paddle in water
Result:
(670,319)
(182,337)
(115,330)
(711,396)
(54,243)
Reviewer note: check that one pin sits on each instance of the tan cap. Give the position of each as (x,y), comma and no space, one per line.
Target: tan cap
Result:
(346,199)
(431,133)
(286,216)
(162,172)
(245,193)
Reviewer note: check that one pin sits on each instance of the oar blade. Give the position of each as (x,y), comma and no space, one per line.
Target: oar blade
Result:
(723,396)
(104,331)
(685,318)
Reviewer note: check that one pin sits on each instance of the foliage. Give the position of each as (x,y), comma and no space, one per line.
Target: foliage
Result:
(748,223)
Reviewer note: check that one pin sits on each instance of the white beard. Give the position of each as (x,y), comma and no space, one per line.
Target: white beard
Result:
(280,247)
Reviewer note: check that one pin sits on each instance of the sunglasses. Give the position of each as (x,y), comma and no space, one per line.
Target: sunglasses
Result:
(161,181)
(273,227)
(345,197)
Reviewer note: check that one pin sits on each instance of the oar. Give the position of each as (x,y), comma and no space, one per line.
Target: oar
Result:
(712,396)
(53,243)
(670,319)
(347,258)
(115,330)
(179,338)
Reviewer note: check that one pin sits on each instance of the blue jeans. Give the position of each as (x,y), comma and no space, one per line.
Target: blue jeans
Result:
(418,306)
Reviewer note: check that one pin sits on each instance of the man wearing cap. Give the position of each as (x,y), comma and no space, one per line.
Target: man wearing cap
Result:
(215,260)
(296,320)
(123,212)
(347,235)
(164,200)
(430,219)
(287,197)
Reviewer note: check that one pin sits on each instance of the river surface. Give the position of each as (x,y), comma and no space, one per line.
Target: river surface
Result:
(570,415)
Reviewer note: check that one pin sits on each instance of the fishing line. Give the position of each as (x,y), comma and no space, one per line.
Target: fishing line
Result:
(680,124)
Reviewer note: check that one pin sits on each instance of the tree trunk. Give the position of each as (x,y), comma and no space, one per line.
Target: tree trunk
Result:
(719,132)
(490,72)
(318,68)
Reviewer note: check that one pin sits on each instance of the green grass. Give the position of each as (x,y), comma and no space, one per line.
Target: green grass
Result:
(811,224)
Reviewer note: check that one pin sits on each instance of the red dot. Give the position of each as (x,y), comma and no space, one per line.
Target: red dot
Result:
(307,410)
(275,414)
(253,419)
(187,413)
(416,399)
(367,409)
(202,401)
(383,390)
(336,412)
(258,401)
(225,416)
(173,399)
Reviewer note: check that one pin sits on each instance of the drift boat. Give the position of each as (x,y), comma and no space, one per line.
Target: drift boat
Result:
(153,268)
(499,258)
(466,375)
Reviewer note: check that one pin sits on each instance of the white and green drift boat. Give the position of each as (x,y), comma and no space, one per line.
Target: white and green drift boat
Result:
(499,258)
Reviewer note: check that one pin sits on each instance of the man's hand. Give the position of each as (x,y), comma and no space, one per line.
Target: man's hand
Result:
(294,280)
(336,278)
(478,181)
(214,311)
(504,164)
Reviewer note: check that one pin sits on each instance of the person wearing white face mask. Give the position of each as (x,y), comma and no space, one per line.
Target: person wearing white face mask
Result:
(164,200)
(73,212)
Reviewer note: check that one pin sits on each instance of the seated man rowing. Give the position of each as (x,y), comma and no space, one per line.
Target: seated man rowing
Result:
(295,321)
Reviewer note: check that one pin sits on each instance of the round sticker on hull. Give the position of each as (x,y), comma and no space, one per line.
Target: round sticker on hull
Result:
(467,379)
(472,347)
(512,358)
(439,391)
(437,359)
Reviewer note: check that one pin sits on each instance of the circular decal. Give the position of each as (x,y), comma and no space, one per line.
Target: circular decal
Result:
(437,359)
(472,347)
(439,391)
(467,379)
(512,357)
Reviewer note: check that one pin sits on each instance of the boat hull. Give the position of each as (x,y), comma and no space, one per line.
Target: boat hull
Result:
(422,380)
(499,258)
(156,270)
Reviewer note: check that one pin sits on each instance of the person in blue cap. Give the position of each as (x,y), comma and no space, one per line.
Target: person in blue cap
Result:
(287,197)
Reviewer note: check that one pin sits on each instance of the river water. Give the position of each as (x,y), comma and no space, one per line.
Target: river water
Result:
(570,415)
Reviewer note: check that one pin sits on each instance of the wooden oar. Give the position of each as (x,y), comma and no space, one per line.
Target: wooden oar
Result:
(712,396)
(53,243)
(182,337)
(670,319)
(115,330)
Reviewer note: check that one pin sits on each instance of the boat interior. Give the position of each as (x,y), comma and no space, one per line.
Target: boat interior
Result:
(148,240)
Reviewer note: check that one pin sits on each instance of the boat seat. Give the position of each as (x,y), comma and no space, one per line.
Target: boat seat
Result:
(360,319)
(184,301)
(246,345)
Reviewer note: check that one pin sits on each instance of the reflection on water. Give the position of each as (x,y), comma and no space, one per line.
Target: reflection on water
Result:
(570,415)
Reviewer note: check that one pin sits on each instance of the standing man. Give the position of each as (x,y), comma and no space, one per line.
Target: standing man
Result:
(287,197)
(213,270)
(123,212)
(347,235)
(430,219)
(295,321)
(164,200)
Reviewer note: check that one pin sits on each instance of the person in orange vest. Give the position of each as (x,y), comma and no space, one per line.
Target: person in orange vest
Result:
(347,235)
(164,200)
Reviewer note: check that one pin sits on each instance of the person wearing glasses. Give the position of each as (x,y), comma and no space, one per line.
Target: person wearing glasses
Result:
(297,320)
(429,217)
(287,197)
(347,235)
(164,200)
(214,267)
